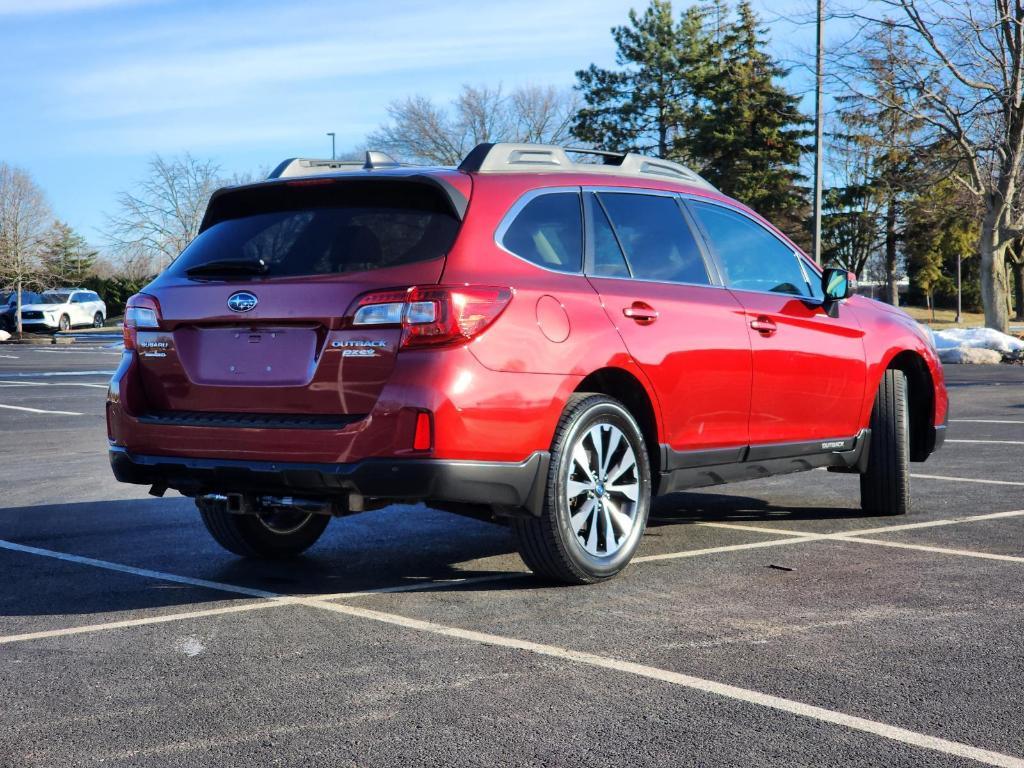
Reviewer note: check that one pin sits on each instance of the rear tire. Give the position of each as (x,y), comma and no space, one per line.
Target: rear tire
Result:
(97,320)
(257,536)
(597,498)
(885,486)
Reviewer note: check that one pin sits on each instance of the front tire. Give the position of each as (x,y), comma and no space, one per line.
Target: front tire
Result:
(64,324)
(597,499)
(885,486)
(264,535)
(97,320)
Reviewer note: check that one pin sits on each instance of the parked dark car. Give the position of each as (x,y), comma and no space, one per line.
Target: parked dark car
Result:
(9,305)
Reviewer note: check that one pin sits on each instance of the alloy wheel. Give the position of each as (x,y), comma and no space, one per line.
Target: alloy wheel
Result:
(602,490)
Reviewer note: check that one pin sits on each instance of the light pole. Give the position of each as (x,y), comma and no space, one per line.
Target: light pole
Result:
(818,130)
(331,134)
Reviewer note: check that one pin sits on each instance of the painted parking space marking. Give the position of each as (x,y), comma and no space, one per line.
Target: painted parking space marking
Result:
(968,480)
(860,536)
(144,572)
(871,531)
(147,620)
(989,442)
(986,421)
(724,690)
(936,550)
(791,539)
(39,410)
(47,374)
(51,384)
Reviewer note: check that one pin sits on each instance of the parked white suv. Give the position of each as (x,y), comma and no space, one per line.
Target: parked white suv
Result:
(64,309)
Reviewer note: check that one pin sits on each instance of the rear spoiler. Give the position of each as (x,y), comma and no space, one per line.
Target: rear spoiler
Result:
(223,202)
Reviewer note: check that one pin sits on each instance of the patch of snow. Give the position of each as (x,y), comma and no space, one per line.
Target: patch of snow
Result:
(976,338)
(4,335)
(970,356)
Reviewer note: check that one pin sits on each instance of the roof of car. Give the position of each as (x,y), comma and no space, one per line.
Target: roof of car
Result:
(509,158)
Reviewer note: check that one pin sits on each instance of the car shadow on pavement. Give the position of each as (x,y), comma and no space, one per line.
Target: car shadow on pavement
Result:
(691,507)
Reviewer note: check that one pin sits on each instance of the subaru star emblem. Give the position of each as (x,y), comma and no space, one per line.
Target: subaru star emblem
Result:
(243,301)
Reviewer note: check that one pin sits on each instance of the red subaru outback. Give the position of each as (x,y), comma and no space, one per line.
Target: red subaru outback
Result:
(545,342)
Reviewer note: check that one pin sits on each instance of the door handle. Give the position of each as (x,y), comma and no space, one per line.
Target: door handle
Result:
(641,313)
(764,325)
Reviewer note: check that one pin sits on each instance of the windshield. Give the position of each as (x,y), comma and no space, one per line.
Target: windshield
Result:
(329,233)
(53,298)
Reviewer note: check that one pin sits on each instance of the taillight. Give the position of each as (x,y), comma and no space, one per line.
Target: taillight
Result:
(141,311)
(431,315)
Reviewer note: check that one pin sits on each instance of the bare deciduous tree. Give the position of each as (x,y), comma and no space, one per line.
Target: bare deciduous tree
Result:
(422,131)
(24,216)
(155,222)
(962,77)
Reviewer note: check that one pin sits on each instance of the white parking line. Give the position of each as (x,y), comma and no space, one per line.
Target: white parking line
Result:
(796,539)
(869,531)
(744,695)
(967,480)
(40,410)
(10,357)
(145,572)
(51,384)
(860,536)
(87,628)
(938,550)
(990,442)
(986,421)
(47,374)
(724,690)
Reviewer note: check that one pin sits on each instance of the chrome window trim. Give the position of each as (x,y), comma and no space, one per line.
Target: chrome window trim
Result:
(682,213)
(517,207)
(796,254)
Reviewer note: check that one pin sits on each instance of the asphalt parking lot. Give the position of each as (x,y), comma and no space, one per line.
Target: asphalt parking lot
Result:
(763,623)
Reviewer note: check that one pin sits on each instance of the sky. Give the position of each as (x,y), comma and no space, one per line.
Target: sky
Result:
(93,88)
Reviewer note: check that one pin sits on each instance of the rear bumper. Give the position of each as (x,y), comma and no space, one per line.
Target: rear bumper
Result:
(503,484)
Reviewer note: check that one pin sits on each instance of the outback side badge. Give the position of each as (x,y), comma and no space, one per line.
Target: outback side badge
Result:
(242,301)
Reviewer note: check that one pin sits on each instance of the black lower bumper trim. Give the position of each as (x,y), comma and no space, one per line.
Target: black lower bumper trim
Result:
(505,484)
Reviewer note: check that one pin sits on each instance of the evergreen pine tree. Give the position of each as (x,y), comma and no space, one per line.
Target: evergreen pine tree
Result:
(748,138)
(66,257)
(651,102)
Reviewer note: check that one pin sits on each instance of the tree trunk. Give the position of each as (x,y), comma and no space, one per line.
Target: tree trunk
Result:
(892,291)
(993,278)
(1018,288)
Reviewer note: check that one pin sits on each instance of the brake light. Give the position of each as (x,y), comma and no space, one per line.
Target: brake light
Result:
(141,311)
(431,315)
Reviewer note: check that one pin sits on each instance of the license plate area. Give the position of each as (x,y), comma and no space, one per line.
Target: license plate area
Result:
(249,356)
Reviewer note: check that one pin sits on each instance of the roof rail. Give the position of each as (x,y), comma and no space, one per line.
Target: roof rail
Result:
(302,166)
(525,158)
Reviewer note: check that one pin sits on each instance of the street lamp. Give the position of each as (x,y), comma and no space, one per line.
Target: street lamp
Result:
(331,134)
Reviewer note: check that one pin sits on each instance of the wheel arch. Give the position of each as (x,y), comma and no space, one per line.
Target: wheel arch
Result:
(625,387)
(921,396)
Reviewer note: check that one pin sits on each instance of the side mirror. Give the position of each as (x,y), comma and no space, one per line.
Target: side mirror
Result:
(837,284)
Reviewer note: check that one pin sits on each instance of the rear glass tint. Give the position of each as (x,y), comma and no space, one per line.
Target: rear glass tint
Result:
(548,231)
(325,229)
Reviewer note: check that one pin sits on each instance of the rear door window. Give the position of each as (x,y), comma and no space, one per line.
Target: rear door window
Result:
(327,230)
(752,258)
(655,237)
(608,258)
(548,232)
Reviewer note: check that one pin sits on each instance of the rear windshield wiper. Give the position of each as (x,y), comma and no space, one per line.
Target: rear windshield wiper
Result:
(229,267)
